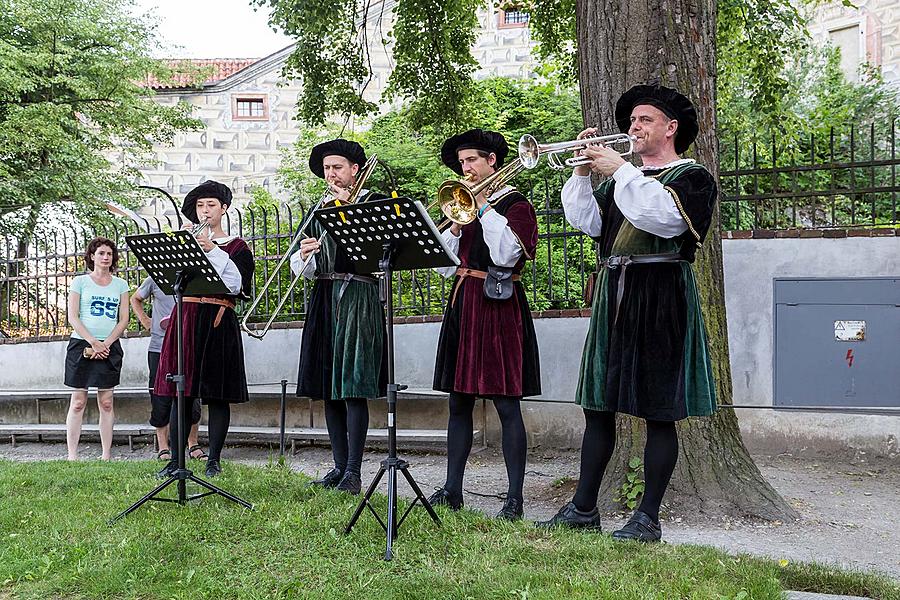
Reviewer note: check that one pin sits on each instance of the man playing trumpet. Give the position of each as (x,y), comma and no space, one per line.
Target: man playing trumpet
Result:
(487,344)
(646,352)
(343,358)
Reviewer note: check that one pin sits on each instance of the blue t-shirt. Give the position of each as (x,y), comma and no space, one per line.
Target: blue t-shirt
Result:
(99,310)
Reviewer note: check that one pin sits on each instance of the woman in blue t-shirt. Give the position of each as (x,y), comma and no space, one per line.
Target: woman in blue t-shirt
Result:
(98,312)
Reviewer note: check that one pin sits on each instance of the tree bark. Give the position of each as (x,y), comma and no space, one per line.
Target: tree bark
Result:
(622,43)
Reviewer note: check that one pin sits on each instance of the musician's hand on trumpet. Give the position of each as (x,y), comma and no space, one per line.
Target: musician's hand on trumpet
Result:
(309,246)
(202,232)
(604,161)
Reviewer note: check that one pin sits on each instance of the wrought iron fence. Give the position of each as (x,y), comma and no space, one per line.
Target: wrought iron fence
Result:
(34,286)
(837,177)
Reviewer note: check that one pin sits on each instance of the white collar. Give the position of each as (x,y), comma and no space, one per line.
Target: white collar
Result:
(502,191)
(674,163)
(224,240)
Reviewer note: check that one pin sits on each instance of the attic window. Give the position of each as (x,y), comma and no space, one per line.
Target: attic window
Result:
(512,18)
(250,108)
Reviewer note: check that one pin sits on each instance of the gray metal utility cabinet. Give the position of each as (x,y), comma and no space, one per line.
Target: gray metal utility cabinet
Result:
(837,342)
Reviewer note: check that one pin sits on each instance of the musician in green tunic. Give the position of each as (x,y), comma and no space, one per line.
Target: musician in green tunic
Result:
(646,353)
(343,358)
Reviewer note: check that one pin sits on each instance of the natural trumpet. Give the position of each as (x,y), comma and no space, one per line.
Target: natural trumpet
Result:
(199,227)
(530,151)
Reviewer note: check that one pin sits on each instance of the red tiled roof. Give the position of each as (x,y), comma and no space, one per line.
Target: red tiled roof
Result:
(215,69)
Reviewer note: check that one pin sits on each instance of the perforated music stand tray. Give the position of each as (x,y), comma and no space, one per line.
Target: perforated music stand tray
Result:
(382,236)
(179,266)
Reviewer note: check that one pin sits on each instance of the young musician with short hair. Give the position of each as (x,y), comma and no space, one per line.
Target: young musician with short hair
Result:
(213,349)
(487,346)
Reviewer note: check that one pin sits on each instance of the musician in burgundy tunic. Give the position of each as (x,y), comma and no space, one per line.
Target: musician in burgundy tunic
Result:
(213,351)
(487,346)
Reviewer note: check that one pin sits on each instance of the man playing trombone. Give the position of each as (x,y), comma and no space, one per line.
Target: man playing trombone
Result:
(342,353)
(487,343)
(646,353)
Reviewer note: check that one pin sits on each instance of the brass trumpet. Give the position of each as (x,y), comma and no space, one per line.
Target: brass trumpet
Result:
(323,202)
(530,151)
(457,200)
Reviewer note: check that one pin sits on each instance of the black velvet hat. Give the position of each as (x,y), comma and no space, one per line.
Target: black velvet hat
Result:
(207,189)
(474,139)
(673,104)
(352,151)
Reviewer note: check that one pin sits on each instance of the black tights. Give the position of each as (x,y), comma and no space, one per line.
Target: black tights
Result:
(459,441)
(219,420)
(348,423)
(660,456)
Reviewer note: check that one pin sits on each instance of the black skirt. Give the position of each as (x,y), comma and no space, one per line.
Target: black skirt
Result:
(83,373)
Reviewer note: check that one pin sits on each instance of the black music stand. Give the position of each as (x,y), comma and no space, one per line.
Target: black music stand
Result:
(179,266)
(380,237)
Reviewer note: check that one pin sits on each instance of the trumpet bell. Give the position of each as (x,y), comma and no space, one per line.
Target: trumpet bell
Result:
(457,202)
(529,151)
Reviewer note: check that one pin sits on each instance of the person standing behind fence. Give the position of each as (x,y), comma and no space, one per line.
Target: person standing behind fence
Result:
(98,313)
(161,406)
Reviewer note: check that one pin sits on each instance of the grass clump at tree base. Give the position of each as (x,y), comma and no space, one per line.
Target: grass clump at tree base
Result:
(55,542)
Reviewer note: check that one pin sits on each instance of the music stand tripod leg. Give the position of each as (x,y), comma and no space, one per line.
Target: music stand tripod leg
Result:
(391,464)
(182,473)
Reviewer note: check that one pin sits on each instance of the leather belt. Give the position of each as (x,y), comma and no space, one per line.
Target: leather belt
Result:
(463,272)
(221,302)
(622,262)
(345,279)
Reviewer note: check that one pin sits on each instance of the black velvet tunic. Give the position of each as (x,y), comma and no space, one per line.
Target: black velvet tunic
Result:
(343,352)
(651,359)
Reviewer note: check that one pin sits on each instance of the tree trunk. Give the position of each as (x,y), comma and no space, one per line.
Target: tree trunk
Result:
(622,43)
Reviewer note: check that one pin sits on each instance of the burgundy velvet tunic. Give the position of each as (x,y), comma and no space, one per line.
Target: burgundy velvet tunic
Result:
(489,347)
(213,356)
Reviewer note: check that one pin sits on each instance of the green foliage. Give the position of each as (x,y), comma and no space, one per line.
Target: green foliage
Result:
(433,60)
(328,58)
(826,122)
(552,24)
(69,98)
(631,491)
(56,543)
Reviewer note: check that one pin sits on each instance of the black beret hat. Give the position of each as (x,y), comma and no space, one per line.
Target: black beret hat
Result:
(352,151)
(672,103)
(207,189)
(474,139)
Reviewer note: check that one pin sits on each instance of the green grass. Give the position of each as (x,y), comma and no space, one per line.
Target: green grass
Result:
(55,543)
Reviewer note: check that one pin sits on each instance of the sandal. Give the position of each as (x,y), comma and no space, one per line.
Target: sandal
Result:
(197,448)
(164,454)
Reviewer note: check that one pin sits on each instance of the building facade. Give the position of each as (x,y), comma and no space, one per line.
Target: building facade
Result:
(248,108)
(867,33)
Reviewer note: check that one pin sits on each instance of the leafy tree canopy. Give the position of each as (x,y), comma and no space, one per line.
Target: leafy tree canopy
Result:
(74,118)
(769,74)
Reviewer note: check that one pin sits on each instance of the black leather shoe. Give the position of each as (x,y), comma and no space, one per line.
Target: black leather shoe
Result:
(512,510)
(332,479)
(639,527)
(443,498)
(167,470)
(213,468)
(569,516)
(350,483)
